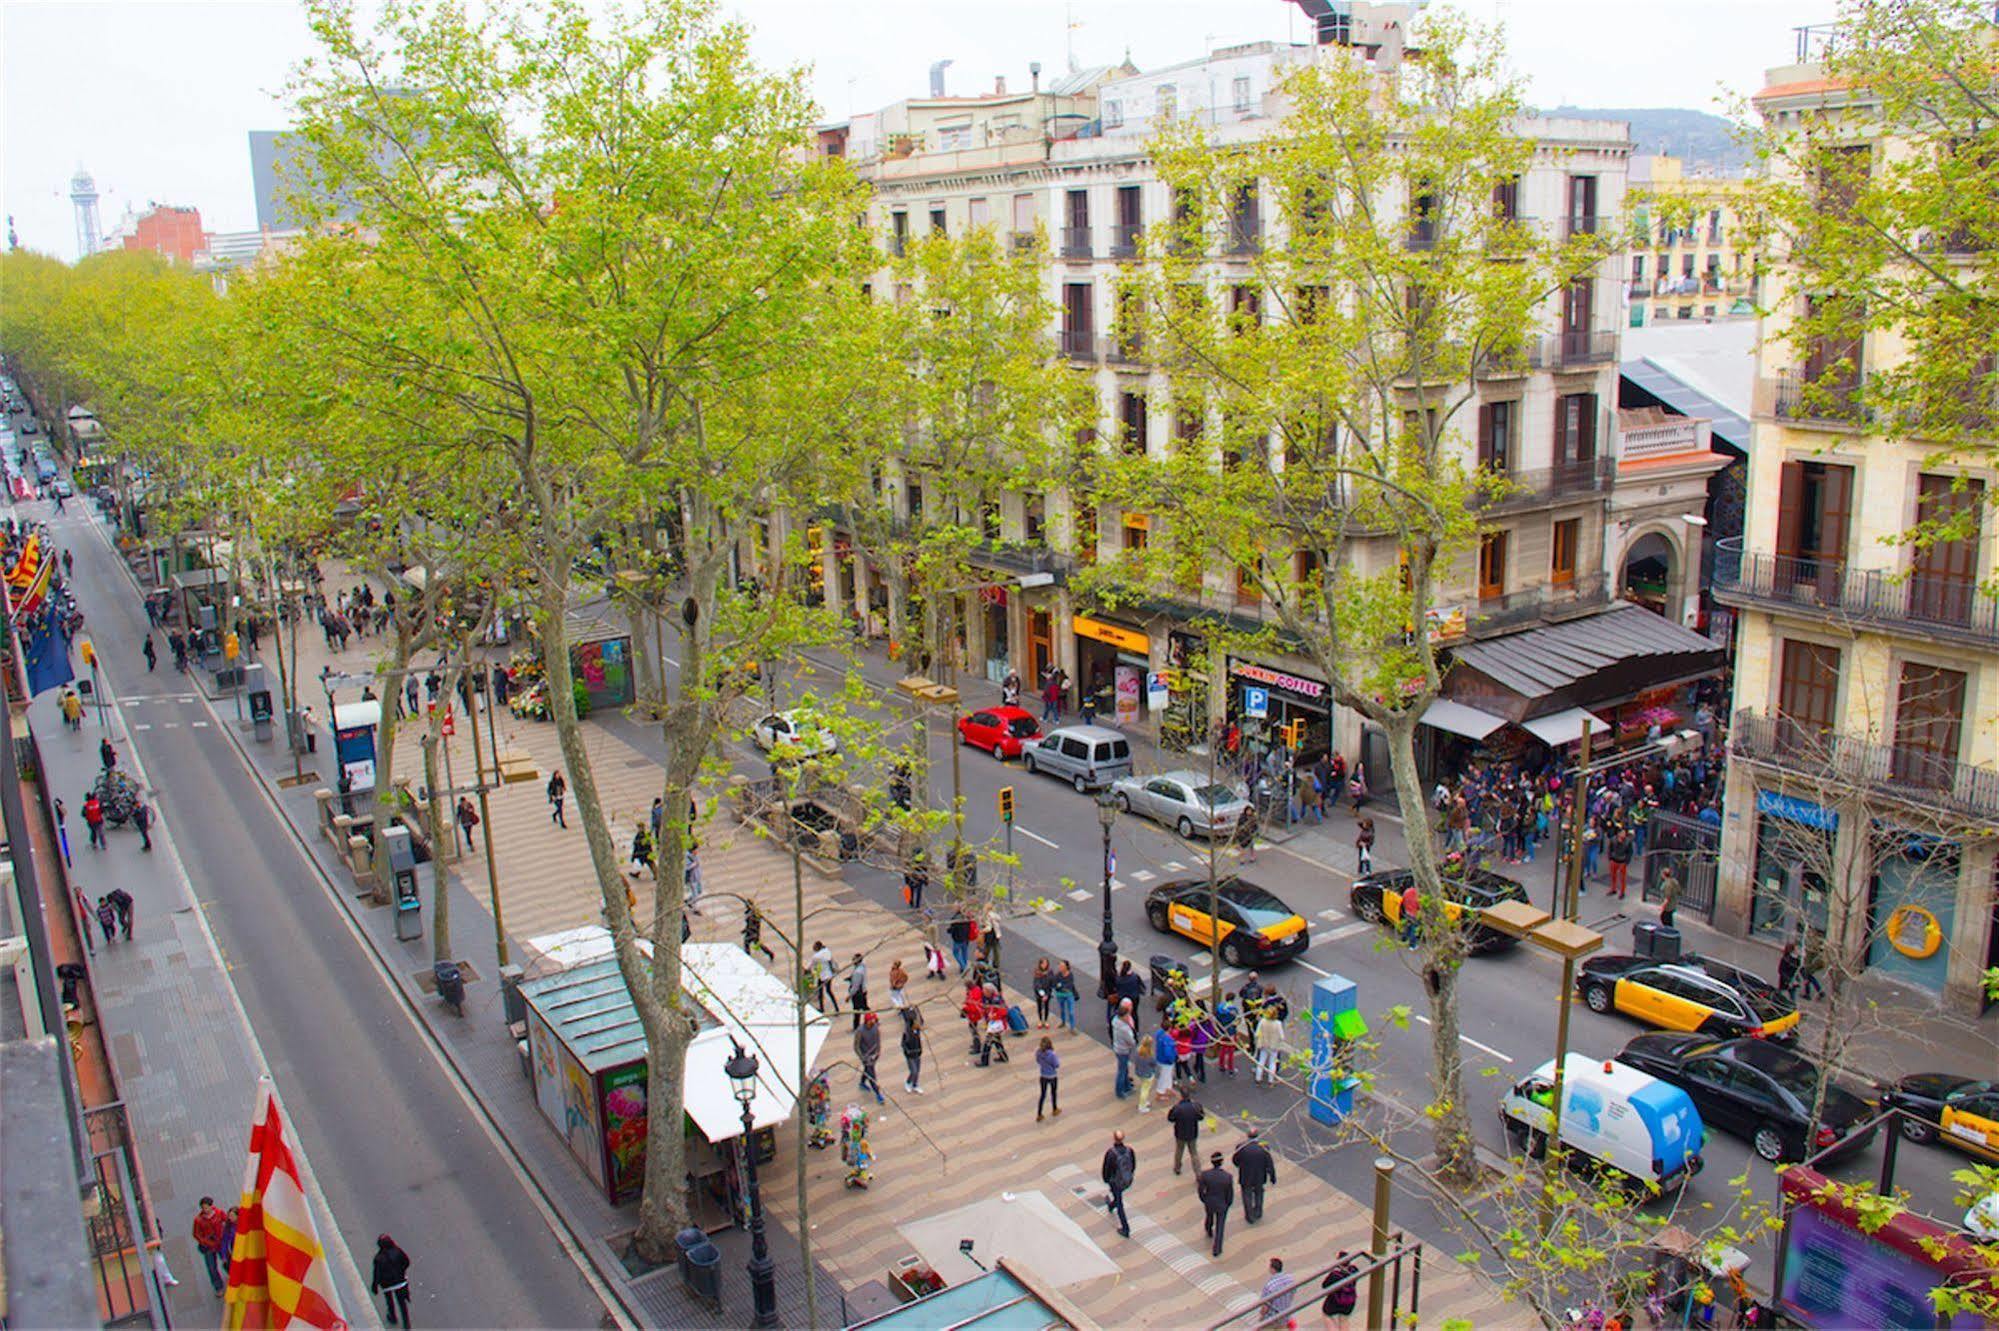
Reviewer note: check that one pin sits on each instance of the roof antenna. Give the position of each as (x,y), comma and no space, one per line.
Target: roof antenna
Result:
(1070,10)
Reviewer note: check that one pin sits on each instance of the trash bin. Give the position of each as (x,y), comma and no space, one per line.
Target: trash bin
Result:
(1645,939)
(700,1266)
(1666,944)
(1164,966)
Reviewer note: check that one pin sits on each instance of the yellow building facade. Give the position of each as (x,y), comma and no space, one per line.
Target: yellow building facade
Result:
(1689,257)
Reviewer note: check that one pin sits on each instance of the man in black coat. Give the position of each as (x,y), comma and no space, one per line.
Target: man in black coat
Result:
(1120,1168)
(1217,1193)
(1255,1170)
(1185,1116)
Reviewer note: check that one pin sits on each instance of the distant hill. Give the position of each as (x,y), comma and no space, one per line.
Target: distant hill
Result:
(1700,138)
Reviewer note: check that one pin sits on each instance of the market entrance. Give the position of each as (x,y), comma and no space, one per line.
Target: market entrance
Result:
(1648,572)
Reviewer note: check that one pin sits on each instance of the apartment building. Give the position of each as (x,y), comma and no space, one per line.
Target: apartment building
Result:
(1867,678)
(1090,190)
(1689,256)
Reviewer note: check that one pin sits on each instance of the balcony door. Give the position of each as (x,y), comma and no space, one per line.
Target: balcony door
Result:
(1943,581)
(1078,318)
(1575,441)
(1814,510)
(1929,725)
(1807,695)
(1578,298)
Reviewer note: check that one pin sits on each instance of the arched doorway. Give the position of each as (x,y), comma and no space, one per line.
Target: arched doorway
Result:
(1648,572)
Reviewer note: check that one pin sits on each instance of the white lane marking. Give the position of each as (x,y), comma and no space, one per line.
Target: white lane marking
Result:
(141,725)
(1172,865)
(133,702)
(1079,895)
(1326,975)
(1143,876)
(1508,1058)
(199,725)
(1036,836)
(1347,930)
(1331,914)
(1200,959)
(670,661)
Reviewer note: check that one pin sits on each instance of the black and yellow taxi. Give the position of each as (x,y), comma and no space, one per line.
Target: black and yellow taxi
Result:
(1252,925)
(1937,1106)
(1377,898)
(1696,994)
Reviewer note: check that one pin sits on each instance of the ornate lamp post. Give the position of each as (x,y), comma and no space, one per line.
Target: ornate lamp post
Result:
(742,1071)
(1107,946)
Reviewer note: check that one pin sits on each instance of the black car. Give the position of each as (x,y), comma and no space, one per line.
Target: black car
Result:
(1377,898)
(1972,1120)
(1757,1091)
(1254,926)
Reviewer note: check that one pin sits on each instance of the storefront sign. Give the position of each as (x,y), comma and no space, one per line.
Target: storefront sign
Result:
(1156,691)
(1793,809)
(1255,702)
(1446,624)
(1187,652)
(1310,689)
(1126,640)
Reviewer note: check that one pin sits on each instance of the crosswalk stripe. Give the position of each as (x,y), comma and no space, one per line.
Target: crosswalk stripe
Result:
(1347,930)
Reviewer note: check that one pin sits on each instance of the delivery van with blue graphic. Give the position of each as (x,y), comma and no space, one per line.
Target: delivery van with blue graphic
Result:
(1616,1116)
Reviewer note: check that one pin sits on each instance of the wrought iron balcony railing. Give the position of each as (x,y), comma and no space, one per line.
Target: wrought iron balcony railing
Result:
(1835,762)
(1953,608)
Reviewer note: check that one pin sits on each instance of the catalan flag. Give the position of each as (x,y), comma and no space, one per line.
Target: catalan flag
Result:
(28,564)
(278,1272)
(28,599)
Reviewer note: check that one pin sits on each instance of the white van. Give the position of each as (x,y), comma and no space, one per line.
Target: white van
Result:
(1616,1115)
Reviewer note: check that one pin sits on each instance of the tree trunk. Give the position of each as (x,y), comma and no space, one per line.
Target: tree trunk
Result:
(391,673)
(440,828)
(1442,958)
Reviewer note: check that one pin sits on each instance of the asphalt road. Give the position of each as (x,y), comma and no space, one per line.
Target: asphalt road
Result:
(395,1147)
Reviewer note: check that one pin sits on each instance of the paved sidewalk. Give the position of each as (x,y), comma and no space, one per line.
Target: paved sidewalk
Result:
(185,1059)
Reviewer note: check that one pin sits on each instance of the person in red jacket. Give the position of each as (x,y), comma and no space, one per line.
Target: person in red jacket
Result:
(93,818)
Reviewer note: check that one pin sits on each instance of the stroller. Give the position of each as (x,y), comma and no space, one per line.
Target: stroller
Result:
(118,795)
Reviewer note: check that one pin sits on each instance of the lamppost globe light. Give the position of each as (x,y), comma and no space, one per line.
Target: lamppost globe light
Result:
(742,1072)
(1106,807)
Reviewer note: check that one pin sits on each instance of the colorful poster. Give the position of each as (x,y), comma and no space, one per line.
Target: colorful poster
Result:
(1130,683)
(625,1129)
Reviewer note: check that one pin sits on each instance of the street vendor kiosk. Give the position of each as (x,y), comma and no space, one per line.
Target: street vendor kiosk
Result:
(354,726)
(587,1060)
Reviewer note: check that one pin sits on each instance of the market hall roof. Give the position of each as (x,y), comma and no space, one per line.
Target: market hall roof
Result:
(1597,657)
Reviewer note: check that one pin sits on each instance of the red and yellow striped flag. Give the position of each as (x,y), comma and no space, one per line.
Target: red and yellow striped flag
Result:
(278,1272)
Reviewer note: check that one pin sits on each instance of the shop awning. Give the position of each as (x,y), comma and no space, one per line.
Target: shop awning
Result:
(1621,650)
(1023,1227)
(1560,728)
(1443,714)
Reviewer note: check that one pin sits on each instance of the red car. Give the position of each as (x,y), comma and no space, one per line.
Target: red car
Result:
(1000,731)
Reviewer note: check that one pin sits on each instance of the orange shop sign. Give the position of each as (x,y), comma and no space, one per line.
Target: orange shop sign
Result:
(1127,640)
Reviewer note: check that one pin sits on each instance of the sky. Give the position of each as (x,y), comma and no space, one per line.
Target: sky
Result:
(156,97)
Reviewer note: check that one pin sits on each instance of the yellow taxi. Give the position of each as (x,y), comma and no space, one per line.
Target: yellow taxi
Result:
(1691,994)
(1252,925)
(1377,898)
(1939,1107)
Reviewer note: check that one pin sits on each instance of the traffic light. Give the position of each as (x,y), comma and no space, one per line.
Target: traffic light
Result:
(1294,734)
(89,654)
(1006,804)
(231,647)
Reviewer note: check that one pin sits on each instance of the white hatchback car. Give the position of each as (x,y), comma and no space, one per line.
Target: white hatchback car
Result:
(1185,801)
(798,731)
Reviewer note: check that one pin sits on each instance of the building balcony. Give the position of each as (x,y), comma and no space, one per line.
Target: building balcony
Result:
(1640,288)
(1022,241)
(1125,352)
(1078,344)
(1511,363)
(1947,608)
(1548,603)
(1076,242)
(1126,239)
(1017,557)
(1799,400)
(1583,224)
(1549,485)
(1245,237)
(1577,349)
(1839,766)
(1421,236)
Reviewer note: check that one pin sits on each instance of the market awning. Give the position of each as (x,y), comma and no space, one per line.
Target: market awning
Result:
(1560,728)
(1443,714)
(1615,652)
(1023,1227)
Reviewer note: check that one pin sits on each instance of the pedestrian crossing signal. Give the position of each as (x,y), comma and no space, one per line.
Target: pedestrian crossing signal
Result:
(1006,804)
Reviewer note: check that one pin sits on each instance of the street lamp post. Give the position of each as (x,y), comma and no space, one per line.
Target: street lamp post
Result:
(742,1071)
(1107,946)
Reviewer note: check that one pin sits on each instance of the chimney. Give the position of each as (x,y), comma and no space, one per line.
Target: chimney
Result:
(1034,73)
(937,77)
(999,85)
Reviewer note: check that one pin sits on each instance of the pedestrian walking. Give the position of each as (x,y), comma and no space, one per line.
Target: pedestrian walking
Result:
(1217,1193)
(106,754)
(558,789)
(1812,964)
(1621,846)
(1065,997)
(1142,1068)
(178,642)
(107,917)
(1119,1171)
(392,1281)
(1255,1170)
(1186,1116)
(93,818)
(1279,1289)
(1245,835)
(1166,1060)
(1044,992)
(142,818)
(1269,1043)
(642,853)
(1124,1043)
(857,987)
(690,874)
(468,818)
(868,1051)
(1363,844)
(1049,1064)
(1669,896)
(151,653)
(912,1049)
(933,959)
(960,932)
(823,971)
(1051,697)
(753,931)
(1343,1284)
(1787,968)
(67,563)
(72,709)
(209,1225)
(123,905)
(996,1025)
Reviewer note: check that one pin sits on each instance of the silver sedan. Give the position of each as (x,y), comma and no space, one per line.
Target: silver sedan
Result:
(1187,802)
